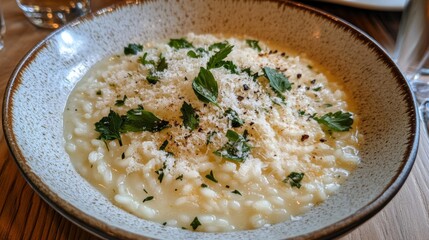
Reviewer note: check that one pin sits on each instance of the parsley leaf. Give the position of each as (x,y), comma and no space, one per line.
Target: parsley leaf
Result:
(338,121)
(235,119)
(180,177)
(163,145)
(151,78)
(160,172)
(121,102)
(237,192)
(218,45)
(216,60)
(143,60)
(230,66)
(197,53)
(148,198)
(133,49)
(109,127)
(278,82)
(195,223)
(205,87)
(253,44)
(138,120)
(211,176)
(179,43)
(294,179)
(190,117)
(162,64)
(236,149)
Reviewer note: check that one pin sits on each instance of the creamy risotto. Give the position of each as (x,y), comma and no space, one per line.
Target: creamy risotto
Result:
(211,134)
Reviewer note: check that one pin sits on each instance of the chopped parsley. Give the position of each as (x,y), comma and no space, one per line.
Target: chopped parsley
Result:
(235,119)
(190,117)
(143,60)
(229,65)
(197,53)
(317,89)
(162,64)
(253,44)
(338,121)
(278,81)
(236,149)
(211,176)
(148,198)
(133,49)
(136,120)
(237,192)
(163,145)
(121,102)
(160,172)
(216,60)
(195,223)
(218,45)
(180,43)
(203,185)
(294,179)
(205,87)
(109,127)
(180,177)
(151,78)
(99,93)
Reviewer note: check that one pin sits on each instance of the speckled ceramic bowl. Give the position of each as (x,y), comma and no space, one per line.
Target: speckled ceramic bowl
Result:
(38,90)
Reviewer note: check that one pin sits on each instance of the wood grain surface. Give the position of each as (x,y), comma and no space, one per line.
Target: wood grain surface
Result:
(24,215)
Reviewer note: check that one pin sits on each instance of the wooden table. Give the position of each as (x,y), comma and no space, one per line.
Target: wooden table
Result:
(24,215)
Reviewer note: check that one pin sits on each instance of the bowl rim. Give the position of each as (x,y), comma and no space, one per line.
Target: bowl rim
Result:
(105,230)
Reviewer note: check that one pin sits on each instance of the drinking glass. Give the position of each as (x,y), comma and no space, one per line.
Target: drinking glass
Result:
(53,13)
(412,52)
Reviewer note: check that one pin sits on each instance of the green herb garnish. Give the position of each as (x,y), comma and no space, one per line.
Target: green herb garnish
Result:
(216,60)
(195,223)
(317,89)
(338,121)
(163,145)
(109,127)
(133,49)
(162,64)
(160,172)
(205,87)
(211,176)
(236,149)
(253,75)
(99,93)
(143,60)
(294,179)
(229,65)
(218,45)
(253,44)
(190,117)
(148,199)
(203,185)
(278,81)
(121,102)
(138,120)
(237,192)
(197,53)
(235,119)
(180,43)
(152,79)
(180,177)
